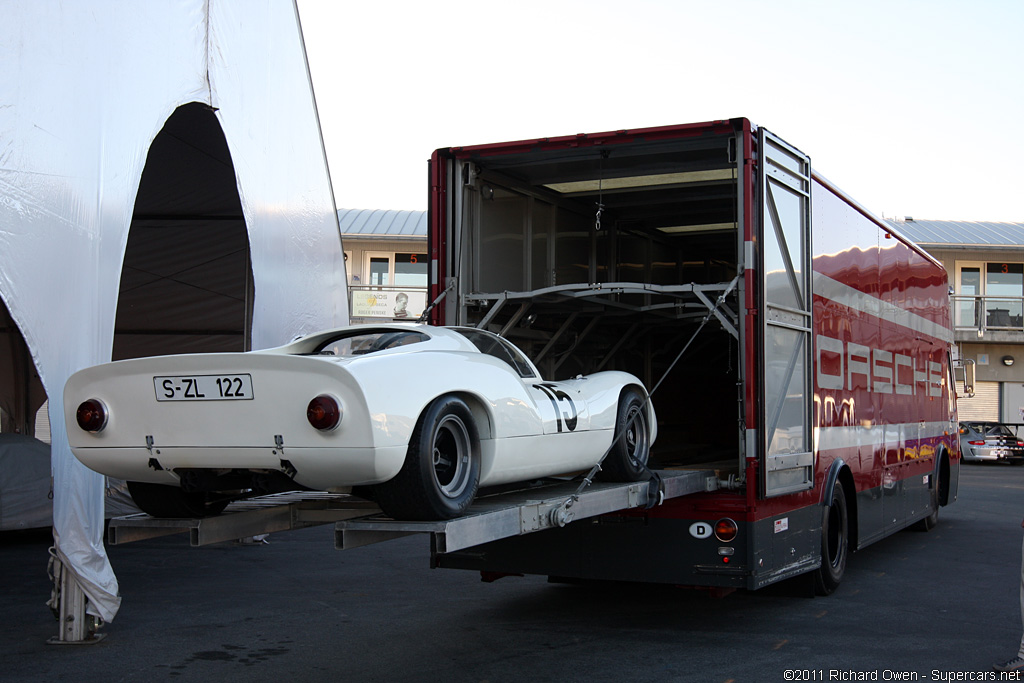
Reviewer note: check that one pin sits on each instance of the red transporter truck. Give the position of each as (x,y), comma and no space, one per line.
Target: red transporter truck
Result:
(796,346)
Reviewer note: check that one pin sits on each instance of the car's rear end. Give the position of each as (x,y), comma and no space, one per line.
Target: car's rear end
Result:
(210,420)
(990,442)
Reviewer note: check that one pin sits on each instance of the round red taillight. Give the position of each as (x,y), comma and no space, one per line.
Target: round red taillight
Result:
(324,413)
(92,415)
(726,530)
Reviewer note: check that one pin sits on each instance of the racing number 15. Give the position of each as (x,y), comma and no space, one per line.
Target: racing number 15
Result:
(556,395)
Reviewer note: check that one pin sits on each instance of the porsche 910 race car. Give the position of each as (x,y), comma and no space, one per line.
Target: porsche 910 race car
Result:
(419,417)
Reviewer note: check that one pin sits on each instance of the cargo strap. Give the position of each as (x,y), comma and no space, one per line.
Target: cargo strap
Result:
(425,315)
(562,515)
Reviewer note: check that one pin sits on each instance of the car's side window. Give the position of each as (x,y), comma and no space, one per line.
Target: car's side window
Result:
(494,345)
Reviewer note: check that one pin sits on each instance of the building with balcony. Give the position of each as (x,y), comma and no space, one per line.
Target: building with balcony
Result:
(386,260)
(985,264)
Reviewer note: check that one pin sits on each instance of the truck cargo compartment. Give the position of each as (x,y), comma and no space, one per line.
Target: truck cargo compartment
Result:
(577,255)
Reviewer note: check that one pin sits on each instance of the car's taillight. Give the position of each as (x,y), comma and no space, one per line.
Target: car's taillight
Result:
(726,530)
(324,413)
(92,415)
(976,443)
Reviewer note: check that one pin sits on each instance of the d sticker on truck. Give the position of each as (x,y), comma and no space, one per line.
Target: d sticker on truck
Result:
(700,530)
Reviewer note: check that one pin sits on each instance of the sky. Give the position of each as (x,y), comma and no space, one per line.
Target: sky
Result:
(913,107)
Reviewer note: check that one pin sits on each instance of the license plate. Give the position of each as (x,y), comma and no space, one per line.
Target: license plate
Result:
(203,388)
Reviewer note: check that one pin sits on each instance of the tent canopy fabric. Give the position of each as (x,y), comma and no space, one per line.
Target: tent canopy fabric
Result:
(89,87)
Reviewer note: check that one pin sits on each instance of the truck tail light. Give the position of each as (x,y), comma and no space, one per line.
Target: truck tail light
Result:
(726,530)
(324,413)
(92,415)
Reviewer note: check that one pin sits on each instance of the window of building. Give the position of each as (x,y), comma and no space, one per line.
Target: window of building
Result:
(379,270)
(989,295)
(410,270)
(401,269)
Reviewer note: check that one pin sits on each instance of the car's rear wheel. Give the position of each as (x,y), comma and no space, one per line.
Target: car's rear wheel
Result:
(627,460)
(159,500)
(441,473)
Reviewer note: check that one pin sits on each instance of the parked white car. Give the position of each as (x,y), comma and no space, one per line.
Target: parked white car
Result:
(422,416)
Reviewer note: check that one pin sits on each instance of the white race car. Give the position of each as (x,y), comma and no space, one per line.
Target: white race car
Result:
(418,416)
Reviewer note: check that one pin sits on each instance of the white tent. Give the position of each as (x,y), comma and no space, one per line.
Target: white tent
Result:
(163,188)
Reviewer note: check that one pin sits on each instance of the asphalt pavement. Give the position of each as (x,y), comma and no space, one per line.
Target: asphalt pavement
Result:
(930,606)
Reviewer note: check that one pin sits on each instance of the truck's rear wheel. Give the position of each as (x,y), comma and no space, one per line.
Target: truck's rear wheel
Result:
(442,466)
(159,500)
(627,460)
(939,492)
(835,543)
(929,522)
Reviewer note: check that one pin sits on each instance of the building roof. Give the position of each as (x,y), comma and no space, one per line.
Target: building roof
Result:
(383,224)
(391,224)
(960,233)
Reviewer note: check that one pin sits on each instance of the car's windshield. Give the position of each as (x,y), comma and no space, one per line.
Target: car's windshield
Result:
(357,343)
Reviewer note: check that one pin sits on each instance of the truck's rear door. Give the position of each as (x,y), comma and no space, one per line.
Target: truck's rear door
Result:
(785,266)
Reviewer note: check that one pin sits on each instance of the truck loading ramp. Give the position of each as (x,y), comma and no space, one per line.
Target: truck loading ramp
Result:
(359,522)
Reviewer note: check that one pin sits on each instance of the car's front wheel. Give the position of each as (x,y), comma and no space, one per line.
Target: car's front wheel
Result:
(160,500)
(627,460)
(441,473)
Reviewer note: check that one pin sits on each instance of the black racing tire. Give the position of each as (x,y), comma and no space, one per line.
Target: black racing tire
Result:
(160,500)
(835,543)
(627,460)
(441,473)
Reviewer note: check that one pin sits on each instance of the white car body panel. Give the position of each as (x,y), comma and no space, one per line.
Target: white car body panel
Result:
(528,427)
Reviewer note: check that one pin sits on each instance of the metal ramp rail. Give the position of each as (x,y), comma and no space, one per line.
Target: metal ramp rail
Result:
(525,511)
(359,522)
(251,517)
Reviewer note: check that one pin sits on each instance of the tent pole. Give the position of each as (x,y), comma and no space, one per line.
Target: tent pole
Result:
(76,627)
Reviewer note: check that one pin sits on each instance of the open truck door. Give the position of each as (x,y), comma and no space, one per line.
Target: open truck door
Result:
(786,395)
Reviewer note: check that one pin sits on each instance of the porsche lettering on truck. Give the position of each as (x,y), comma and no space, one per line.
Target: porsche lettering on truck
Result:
(840,364)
